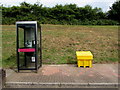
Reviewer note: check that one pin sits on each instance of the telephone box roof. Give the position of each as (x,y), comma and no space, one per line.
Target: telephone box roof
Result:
(26,22)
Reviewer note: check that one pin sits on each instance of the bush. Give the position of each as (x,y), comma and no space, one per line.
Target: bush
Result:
(66,15)
(99,22)
(8,21)
(107,22)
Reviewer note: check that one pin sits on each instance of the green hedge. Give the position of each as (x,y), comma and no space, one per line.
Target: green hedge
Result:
(8,21)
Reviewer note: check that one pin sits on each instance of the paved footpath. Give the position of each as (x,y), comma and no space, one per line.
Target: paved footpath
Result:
(54,76)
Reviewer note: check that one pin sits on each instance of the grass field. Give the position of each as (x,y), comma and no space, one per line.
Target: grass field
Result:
(60,42)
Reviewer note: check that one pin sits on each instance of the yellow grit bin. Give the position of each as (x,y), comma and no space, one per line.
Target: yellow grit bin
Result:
(84,58)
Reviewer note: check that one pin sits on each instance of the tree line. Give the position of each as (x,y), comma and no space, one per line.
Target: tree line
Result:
(69,14)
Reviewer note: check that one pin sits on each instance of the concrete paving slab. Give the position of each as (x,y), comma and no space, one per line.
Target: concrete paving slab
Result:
(100,75)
